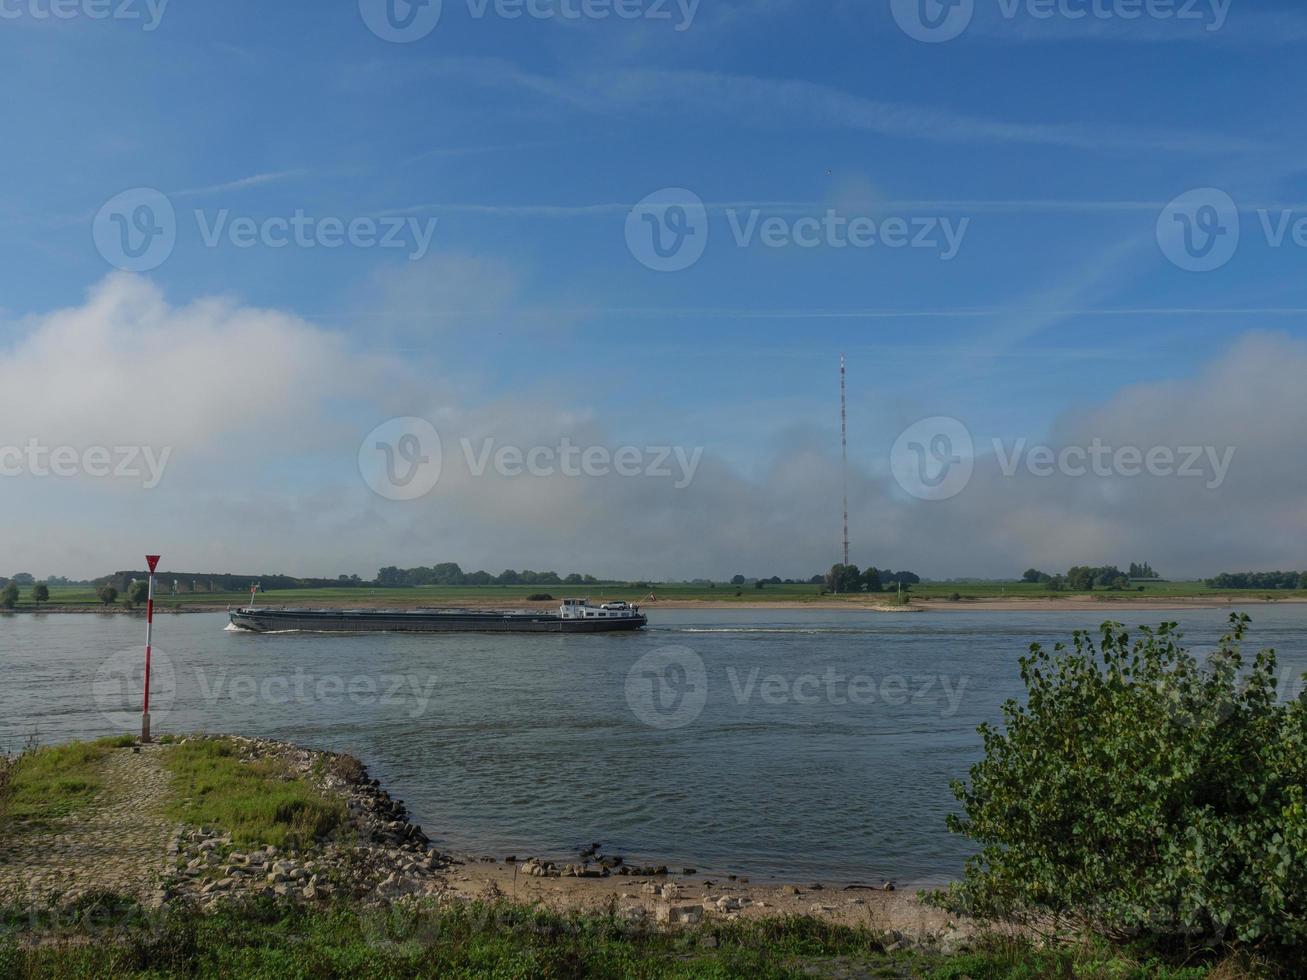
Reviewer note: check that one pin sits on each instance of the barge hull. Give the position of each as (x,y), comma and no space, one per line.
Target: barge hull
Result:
(277,621)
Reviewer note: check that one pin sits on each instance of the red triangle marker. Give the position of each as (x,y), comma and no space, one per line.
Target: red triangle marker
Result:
(153,560)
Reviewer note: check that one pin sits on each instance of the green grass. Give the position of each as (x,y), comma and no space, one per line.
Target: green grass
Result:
(75,597)
(268,939)
(46,784)
(255,801)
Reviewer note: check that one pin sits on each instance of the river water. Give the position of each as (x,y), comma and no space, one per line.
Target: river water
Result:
(779,743)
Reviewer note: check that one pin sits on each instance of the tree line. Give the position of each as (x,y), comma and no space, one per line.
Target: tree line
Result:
(449,573)
(1258,580)
(844,579)
(1086,578)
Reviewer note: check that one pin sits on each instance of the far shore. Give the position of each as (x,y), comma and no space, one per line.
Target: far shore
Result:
(1078,603)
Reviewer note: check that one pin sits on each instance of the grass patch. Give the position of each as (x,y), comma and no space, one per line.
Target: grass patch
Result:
(257,802)
(266,938)
(45,784)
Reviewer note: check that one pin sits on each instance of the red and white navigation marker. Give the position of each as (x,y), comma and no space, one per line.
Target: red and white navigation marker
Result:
(149,627)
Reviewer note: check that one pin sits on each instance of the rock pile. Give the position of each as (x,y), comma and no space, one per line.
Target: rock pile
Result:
(377,854)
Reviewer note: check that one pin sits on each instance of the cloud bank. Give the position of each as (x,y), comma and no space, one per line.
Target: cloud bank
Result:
(265,413)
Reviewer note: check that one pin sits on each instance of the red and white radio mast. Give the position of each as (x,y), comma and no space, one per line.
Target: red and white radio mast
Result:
(844,452)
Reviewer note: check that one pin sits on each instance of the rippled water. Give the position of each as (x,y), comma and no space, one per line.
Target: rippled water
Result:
(824,749)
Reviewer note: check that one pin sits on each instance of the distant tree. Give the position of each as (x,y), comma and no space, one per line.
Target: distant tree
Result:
(1302,581)
(737,580)
(821,579)
(40,593)
(24,578)
(9,596)
(1108,576)
(1035,575)
(760,584)
(107,594)
(844,578)
(508,577)
(1080,578)
(139,592)
(1055,583)
(871,580)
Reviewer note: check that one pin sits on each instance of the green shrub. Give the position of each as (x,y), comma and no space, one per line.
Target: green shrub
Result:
(1140,793)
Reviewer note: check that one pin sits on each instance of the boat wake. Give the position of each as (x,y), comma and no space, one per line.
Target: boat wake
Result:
(782,630)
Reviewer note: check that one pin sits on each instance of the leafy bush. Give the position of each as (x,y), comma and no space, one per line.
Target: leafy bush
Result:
(1141,793)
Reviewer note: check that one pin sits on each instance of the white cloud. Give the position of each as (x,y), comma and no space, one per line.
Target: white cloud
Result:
(266,413)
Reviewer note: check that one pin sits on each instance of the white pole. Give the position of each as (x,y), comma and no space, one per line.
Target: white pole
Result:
(149,629)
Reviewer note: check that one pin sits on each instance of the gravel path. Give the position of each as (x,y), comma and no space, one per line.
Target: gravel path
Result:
(119,843)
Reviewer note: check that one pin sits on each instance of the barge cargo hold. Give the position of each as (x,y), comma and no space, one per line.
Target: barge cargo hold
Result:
(573,616)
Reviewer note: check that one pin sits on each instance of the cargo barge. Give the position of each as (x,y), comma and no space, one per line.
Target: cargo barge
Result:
(573,616)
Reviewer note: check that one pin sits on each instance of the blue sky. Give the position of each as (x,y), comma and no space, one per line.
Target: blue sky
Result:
(1054,142)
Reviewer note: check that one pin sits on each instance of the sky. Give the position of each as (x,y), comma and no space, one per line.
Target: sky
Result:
(319,287)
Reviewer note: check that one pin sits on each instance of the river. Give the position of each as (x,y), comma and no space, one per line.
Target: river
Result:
(779,744)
